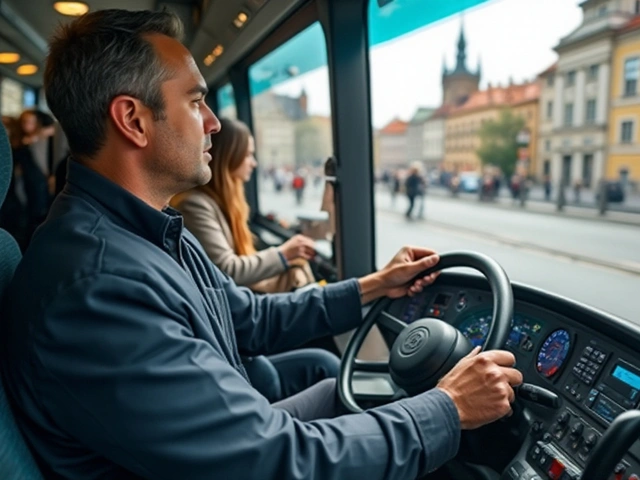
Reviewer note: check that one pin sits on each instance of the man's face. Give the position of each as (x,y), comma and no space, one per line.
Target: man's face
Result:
(180,142)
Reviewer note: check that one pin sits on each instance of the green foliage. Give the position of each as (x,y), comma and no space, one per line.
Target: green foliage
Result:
(498,141)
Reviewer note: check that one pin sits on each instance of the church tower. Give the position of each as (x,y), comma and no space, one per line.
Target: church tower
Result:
(459,83)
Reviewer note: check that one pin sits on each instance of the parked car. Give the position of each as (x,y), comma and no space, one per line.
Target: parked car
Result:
(469,182)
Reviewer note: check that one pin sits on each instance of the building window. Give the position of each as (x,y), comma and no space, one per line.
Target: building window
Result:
(549,110)
(566,170)
(568,114)
(593,72)
(551,78)
(626,132)
(547,167)
(631,73)
(637,10)
(547,145)
(591,112)
(587,170)
(571,78)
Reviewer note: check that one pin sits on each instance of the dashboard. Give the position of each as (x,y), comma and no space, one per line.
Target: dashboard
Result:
(587,357)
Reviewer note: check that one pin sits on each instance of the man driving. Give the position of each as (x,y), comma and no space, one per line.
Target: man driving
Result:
(122,340)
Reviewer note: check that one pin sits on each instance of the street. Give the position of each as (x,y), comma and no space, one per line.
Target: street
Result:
(591,261)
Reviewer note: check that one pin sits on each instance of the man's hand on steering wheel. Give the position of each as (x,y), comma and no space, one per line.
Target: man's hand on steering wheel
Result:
(397,278)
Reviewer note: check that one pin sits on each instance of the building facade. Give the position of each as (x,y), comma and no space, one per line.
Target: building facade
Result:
(463,123)
(623,160)
(392,145)
(417,135)
(582,87)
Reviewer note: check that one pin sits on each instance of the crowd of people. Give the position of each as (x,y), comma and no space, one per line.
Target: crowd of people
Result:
(38,149)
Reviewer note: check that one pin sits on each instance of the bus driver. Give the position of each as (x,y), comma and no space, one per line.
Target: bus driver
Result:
(122,339)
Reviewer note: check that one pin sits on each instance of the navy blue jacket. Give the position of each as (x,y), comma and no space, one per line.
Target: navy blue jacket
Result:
(122,361)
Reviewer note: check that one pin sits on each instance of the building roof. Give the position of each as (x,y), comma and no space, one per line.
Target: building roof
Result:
(508,96)
(550,69)
(395,127)
(422,114)
(441,112)
(631,25)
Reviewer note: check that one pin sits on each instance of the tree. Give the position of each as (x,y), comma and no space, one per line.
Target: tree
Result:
(498,141)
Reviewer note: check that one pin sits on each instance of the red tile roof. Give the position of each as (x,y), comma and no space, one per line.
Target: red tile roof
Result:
(500,97)
(633,24)
(395,127)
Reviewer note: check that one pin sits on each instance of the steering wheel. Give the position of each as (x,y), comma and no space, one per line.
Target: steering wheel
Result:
(426,349)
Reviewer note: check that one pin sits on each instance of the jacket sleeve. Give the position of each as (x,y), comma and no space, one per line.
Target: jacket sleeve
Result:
(204,220)
(273,323)
(123,374)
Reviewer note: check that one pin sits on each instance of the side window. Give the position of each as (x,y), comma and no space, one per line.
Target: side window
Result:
(12,97)
(292,122)
(226,102)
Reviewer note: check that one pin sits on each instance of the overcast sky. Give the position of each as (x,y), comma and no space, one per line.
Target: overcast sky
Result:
(513,39)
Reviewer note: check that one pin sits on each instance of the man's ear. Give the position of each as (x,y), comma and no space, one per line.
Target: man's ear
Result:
(131,118)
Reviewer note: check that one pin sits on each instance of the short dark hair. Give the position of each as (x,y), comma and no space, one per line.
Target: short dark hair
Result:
(97,57)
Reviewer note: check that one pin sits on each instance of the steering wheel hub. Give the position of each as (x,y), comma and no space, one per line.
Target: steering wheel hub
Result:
(424,352)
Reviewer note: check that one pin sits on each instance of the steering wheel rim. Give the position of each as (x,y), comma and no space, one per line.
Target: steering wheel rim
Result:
(498,332)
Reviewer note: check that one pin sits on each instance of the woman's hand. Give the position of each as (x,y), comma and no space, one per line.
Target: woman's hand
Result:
(298,246)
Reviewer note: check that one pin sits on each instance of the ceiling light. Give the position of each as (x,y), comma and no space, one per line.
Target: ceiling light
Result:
(241,19)
(9,57)
(28,69)
(208,60)
(73,9)
(218,51)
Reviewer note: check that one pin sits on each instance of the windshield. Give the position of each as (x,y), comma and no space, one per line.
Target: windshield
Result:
(543,113)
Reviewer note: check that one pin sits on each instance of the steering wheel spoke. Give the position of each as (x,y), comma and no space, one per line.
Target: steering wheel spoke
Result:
(390,324)
(373,367)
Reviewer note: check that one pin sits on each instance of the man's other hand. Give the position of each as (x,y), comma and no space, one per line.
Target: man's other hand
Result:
(481,386)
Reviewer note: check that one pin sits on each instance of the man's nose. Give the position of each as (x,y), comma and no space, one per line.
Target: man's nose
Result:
(211,122)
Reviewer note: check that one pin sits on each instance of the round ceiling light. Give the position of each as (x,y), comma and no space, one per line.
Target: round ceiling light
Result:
(73,9)
(28,69)
(9,57)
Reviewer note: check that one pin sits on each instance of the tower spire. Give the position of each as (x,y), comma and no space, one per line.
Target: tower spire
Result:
(462,50)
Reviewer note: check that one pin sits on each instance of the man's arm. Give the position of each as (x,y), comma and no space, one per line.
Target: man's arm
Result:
(278,322)
(122,373)
(274,323)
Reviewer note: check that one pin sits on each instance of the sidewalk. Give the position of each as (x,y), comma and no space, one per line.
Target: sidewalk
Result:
(534,205)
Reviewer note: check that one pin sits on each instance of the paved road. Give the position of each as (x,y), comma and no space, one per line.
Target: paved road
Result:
(594,262)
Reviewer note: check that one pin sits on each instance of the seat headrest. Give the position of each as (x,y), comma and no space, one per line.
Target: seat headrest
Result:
(6,164)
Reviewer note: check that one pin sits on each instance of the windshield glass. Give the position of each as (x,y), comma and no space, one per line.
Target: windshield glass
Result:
(518,139)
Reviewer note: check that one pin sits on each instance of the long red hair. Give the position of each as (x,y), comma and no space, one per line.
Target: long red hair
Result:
(229,149)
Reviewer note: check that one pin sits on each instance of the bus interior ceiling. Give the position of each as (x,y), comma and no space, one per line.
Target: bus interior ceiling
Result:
(27,26)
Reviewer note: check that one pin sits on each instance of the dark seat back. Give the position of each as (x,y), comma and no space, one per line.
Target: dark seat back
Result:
(15,460)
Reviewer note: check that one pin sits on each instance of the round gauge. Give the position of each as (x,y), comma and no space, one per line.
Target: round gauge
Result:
(476,327)
(553,353)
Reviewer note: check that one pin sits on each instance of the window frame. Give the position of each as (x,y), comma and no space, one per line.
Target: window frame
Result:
(627,140)
(626,91)
(568,120)
(591,119)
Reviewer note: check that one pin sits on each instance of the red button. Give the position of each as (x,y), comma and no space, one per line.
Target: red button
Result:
(555,470)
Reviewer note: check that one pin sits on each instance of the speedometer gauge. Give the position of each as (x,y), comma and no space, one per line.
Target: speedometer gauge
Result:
(553,353)
(476,327)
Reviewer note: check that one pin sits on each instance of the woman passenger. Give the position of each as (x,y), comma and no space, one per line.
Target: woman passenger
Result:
(217,214)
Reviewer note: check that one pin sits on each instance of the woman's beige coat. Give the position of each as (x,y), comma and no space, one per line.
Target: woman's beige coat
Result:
(204,218)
